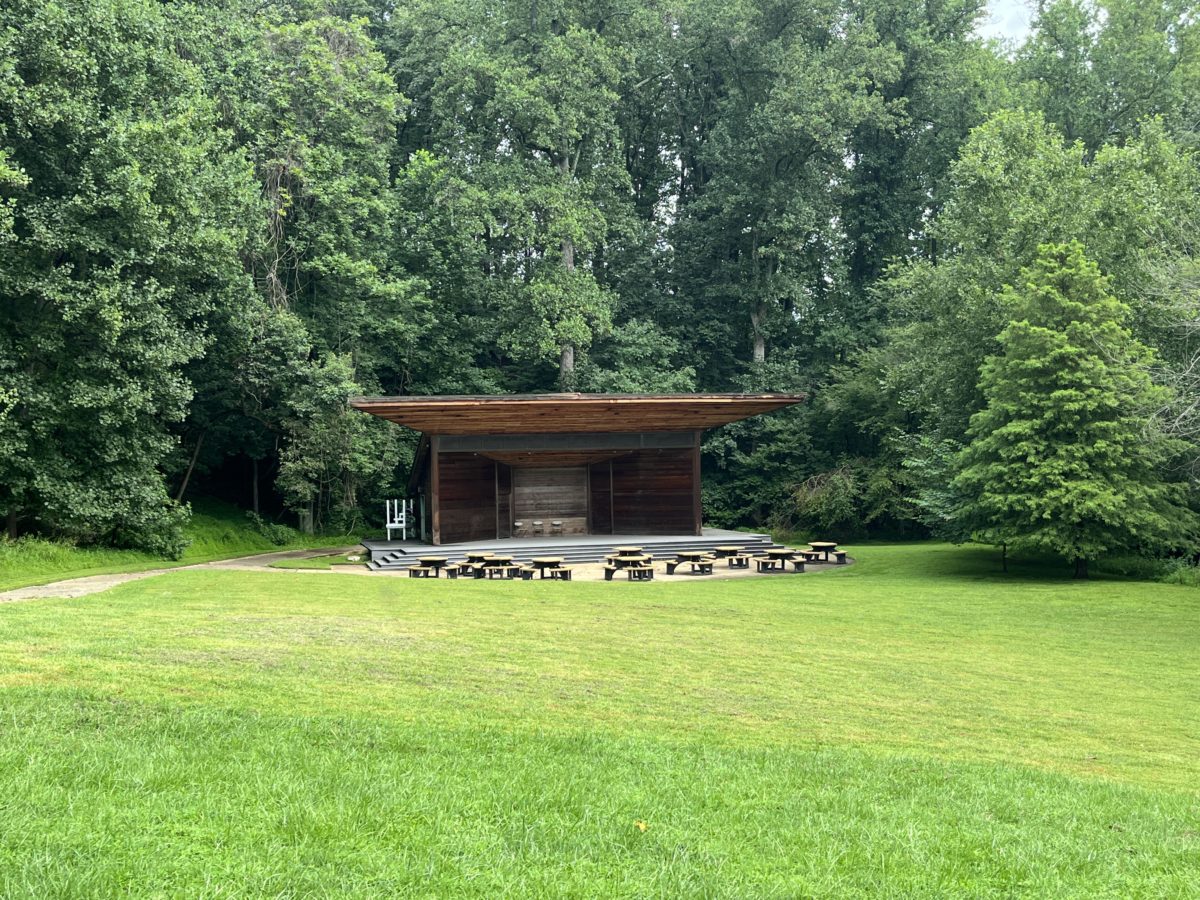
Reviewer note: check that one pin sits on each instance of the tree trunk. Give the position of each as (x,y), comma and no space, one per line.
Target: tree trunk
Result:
(1004,557)
(254,483)
(760,341)
(566,368)
(566,360)
(187,476)
(1081,567)
(10,525)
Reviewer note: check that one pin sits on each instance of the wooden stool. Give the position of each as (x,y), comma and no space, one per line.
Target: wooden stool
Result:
(537,527)
(556,527)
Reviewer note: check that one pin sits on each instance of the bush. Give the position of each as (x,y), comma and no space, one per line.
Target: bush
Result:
(828,502)
(1181,571)
(277,534)
(1143,568)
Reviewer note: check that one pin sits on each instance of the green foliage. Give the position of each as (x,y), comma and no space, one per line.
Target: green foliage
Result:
(125,224)
(1099,68)
(203,204)
(277,534)
(828,502)
(334,453)
(1064,457)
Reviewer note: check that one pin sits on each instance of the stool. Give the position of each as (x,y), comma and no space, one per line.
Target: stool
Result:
(556,526)
(518,527)
(537,526)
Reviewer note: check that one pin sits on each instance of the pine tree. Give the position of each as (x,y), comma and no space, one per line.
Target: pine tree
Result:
(1064,457)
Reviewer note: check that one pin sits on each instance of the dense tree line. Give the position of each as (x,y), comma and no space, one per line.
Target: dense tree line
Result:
(219,220)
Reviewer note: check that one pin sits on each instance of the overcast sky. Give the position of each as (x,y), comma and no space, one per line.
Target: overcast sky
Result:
(1006,19)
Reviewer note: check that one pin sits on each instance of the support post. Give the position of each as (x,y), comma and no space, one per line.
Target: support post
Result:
(697,502)
(435,519)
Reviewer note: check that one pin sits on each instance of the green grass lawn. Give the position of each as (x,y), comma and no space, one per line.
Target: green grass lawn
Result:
(216,531)
(915,725)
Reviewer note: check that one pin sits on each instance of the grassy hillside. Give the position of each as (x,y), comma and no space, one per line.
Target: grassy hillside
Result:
(216,531)
(914,725)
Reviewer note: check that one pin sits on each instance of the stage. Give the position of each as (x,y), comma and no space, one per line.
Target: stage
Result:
(573,548)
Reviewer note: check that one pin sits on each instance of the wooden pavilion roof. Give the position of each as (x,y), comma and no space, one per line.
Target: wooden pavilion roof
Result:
(570,413)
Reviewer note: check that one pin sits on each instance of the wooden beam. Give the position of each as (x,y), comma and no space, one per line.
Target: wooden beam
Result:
(570,413)
(697,500)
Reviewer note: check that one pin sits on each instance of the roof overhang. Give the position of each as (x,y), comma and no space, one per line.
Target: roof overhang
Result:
(570,413)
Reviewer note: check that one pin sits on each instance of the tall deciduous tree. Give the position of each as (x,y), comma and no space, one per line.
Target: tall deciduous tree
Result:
(1064,457)
(126,223)
(770,94)
(1097,68)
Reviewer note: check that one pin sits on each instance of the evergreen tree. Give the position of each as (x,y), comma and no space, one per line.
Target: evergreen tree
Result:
(1064,457)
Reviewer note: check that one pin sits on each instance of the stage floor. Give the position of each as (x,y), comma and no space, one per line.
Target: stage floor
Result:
(573,547)
(519,544)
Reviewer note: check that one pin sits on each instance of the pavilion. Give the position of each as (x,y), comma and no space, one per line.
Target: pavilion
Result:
(495,467)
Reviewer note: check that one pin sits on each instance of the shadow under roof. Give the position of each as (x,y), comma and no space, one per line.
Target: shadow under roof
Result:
(570,413)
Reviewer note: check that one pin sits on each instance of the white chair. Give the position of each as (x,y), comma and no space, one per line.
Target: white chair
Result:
(396,517)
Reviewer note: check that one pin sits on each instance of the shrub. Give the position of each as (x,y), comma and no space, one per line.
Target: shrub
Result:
(277,534)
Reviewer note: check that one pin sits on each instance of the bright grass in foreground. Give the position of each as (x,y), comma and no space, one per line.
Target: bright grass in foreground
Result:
(915,725)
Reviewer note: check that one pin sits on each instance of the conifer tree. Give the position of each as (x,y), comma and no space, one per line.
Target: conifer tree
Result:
(1064,456)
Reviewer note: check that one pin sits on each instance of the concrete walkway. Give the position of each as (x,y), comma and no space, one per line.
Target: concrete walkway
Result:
(93,584)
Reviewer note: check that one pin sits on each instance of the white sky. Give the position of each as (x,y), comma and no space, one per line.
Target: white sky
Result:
(1006,19)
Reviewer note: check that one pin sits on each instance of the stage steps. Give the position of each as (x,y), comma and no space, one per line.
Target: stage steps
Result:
(571,552)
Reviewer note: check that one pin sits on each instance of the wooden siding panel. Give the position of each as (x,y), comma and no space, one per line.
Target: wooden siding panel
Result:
(504,516)
(549,494)
(466,497)
(653,493)
(600,488)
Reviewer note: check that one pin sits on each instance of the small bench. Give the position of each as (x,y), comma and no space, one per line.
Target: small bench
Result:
(813,556)
(839,557)
(609,571)
(640,573)
(422,572)
(506,572)
(797,564)
(527,573)
(672,565)
(702,567)
(562,573)
(766,563)
(738,561)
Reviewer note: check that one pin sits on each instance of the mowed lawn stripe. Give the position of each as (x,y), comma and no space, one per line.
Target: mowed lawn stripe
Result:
(102,797)
(904,654)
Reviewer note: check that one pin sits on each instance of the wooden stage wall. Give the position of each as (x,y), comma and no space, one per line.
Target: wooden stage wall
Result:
(648,491)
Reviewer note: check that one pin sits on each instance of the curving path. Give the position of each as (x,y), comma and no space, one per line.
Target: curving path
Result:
(93,584)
